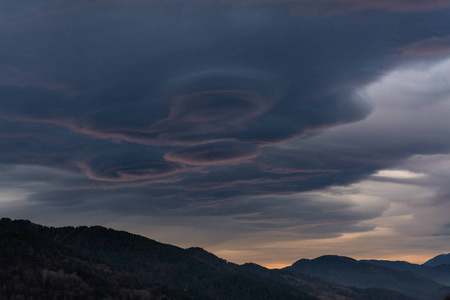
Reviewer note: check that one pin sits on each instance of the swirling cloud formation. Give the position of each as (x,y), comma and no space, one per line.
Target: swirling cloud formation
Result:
(219,109)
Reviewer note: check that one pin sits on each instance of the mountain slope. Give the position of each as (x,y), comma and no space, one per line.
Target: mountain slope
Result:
(322,288)
(192,270)
(400,266)
(438,260)
(117,263)
(440,273)
(32,267)
(349,272)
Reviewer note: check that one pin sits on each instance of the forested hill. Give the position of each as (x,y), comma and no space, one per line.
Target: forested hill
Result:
(38,262)
(32,267)
(347,271)
(103,263)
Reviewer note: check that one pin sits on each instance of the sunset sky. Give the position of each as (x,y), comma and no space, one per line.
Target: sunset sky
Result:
(261,130)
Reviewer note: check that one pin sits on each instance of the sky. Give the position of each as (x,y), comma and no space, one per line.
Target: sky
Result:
(261,130)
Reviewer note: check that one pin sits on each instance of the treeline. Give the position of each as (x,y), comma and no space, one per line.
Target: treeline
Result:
(32,267)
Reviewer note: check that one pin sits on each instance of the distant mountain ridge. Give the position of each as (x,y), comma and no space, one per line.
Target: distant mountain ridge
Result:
(437,272)
(350,272)
(438,260)
(398,265)
(120,265)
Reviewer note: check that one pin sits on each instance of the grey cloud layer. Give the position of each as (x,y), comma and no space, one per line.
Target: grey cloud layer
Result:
(171,107)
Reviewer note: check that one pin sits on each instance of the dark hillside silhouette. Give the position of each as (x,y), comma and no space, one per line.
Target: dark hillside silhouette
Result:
(32,267)
(100,263)
(439,273)
(145,261)
(350,272)
(438,260)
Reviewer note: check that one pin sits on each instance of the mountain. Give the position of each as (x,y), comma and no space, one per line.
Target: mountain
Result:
(35,268)
(100,263)
(322,288)
(400,266)
(438,260)
(149,263)
(439,273)
(350,272)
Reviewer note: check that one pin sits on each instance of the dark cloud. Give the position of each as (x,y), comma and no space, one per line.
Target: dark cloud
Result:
(214,153)
(343,6)
(218,110)
(346,6)
(253,81)
(127,166)
(249,77)
(203,76)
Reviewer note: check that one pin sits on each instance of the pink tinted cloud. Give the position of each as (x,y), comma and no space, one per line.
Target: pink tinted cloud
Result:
(214,153)
(130,170)
(435,46)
